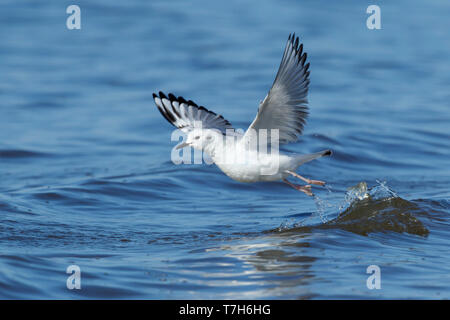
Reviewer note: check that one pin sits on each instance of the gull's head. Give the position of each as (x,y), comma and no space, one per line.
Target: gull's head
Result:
(201,139)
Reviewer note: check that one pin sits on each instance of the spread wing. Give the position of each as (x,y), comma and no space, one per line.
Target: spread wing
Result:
(285,106)
(186,115)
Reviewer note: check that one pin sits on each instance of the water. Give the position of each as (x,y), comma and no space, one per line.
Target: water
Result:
(85,169)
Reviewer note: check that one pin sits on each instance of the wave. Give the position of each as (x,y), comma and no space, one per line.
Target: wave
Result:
(368,210)
(17,153)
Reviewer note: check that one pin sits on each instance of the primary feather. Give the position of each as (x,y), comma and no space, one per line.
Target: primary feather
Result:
(184,114)
(286,105)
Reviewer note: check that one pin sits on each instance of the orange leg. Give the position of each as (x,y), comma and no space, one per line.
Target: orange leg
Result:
(306,189)
(309,181)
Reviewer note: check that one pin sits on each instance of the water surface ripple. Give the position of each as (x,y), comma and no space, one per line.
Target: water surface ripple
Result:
(85,169)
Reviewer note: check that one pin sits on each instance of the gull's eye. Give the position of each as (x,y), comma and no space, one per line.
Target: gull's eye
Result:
(197,137)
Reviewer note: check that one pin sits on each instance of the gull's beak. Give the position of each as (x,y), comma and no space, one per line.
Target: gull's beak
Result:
(182,145)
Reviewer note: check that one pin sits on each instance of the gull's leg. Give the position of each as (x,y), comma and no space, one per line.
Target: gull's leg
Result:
(306,189)
(316,182)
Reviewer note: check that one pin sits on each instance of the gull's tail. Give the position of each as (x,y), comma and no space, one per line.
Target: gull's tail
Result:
(303,158)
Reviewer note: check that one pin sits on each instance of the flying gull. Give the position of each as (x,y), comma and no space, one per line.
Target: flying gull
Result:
(280,119)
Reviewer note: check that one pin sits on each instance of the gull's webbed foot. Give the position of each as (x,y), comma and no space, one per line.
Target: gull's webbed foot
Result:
(308,181)
(306,189)
(316,182)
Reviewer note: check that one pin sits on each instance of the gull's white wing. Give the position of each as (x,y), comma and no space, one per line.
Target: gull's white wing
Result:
(184,114)
(286,106)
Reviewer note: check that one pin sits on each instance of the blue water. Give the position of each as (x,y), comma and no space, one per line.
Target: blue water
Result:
(86,176)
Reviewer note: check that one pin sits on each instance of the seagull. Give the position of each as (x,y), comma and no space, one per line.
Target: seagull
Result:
(280,118)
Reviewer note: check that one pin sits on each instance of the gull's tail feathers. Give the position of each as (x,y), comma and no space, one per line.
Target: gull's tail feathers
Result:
(303,158)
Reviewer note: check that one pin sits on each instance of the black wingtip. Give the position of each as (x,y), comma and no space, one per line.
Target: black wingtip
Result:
(162,95)
(172,97)
(154,95)
(307,66)
(327,153)
(192,103)
(297,46)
